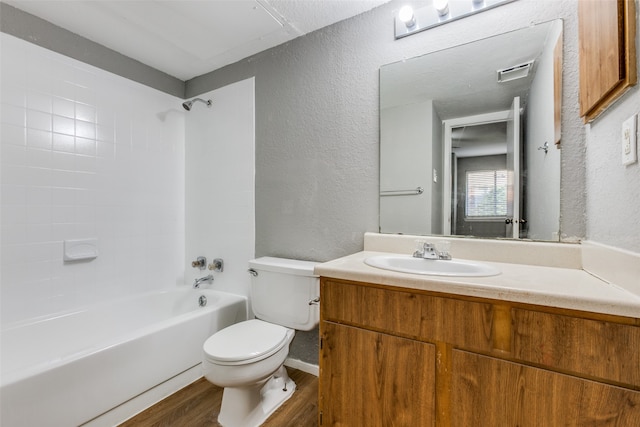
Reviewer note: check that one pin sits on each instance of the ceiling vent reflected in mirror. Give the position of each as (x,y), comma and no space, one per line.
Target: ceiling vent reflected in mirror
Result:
(514,73)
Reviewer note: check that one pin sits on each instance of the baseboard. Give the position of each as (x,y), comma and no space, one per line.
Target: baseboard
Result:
(303,366)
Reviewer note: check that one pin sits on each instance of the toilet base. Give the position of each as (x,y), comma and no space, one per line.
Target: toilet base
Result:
(250,406)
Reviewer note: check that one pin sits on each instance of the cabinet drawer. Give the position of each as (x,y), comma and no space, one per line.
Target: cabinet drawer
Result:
(413,315)
(492,392)
(594,348)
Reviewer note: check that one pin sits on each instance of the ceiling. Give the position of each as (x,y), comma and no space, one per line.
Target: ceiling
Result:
(188,38)
(461,81)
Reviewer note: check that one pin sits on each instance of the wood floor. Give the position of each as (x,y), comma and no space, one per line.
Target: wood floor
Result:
(197,405)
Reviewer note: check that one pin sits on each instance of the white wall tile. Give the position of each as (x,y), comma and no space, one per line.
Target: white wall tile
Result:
(12,134)
(64,125)
(37,138)
(13,115)
(39,101)
(66,143)
(15,155)
(63,107)
(85,130)
(14,95)
(39,120)
(85,112)
(40,158)
(85,146)
(74,167)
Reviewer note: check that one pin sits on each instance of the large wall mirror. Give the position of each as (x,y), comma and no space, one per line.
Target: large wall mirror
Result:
(470,138)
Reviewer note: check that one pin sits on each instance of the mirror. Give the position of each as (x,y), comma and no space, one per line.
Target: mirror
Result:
(470,138)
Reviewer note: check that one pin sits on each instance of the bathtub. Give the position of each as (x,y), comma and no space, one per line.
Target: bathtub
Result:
(68,369)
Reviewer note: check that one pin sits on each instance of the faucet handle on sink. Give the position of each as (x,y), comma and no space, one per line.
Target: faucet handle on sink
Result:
(443,250)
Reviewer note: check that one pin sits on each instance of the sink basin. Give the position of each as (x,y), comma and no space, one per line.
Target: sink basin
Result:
(409,264)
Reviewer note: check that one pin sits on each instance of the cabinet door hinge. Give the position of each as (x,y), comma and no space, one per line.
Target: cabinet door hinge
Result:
(321,342)
(320,417)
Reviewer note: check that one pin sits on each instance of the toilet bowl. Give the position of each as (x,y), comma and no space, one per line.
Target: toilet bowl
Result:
(243,358)
(247,358)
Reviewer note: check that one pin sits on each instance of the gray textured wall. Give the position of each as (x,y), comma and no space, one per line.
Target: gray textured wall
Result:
(317,124)
(613,190)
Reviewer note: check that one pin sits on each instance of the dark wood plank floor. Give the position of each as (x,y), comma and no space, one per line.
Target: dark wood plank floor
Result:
(197,405)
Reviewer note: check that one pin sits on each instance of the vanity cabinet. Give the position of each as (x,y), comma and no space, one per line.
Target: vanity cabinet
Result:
(406,357)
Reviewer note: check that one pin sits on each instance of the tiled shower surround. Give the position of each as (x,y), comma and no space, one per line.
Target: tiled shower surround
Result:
(85,154)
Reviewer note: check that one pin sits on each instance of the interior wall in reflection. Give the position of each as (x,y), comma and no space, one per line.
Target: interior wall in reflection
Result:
(542,200)
(411,159)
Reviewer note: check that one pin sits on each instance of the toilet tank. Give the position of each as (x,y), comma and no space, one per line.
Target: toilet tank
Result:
(281,290)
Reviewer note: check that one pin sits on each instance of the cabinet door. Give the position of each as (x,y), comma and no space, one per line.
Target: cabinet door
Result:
(493,392)
(374,379)
(607,53)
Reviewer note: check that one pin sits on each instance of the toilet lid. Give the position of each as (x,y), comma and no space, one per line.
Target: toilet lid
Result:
(244,341)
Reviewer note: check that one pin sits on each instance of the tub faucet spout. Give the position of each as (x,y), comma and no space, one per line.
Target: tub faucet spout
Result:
(208,279)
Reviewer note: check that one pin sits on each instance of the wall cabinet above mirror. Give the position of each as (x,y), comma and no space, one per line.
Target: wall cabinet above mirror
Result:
(607,53)
(469,138)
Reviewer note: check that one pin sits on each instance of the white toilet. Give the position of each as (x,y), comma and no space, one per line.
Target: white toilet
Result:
(247,358)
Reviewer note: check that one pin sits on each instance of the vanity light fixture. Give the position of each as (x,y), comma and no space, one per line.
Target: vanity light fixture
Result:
(409,21)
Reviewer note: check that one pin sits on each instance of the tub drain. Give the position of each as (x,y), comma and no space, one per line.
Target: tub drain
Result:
(202,301)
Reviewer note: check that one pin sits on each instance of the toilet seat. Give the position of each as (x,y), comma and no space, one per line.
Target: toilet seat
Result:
(245,342)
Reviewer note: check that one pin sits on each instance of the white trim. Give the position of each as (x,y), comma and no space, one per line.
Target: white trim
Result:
(479,119)
(303,366)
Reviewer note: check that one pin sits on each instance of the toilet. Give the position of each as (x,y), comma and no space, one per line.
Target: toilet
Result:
(247,358)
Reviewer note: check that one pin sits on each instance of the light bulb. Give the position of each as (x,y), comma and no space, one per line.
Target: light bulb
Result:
(442,6)
(406,16)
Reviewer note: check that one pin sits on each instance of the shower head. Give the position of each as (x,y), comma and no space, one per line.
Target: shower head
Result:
(187,104)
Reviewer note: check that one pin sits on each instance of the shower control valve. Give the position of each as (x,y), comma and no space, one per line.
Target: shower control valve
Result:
(217,265)
(199,263)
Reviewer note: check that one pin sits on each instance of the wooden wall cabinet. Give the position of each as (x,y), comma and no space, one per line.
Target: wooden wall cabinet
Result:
(606,30)
(398,357)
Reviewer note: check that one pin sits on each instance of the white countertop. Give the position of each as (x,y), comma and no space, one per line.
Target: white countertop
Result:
(569,288)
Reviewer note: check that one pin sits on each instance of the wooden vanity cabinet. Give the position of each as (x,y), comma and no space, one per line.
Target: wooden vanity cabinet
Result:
(391,356)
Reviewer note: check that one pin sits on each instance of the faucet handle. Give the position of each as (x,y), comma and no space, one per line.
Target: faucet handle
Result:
(199,263)
(217,265)
(443,249)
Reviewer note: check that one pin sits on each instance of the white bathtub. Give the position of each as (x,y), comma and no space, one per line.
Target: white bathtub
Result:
(66,370)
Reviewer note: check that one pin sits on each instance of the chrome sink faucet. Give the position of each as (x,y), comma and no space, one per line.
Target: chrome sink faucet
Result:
(208,279)
(426,250)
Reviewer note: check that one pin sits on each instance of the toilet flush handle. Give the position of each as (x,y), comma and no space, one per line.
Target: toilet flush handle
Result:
(252,272)
(315,301)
